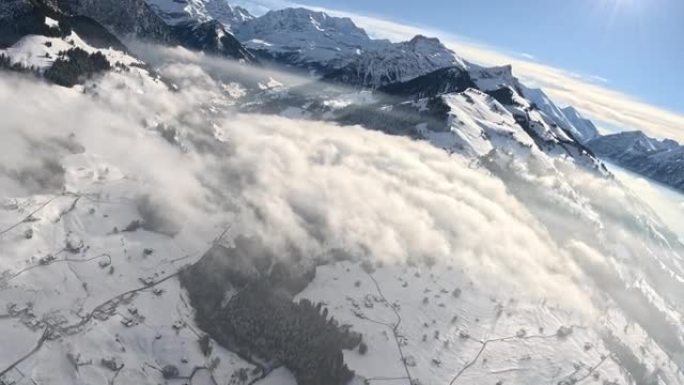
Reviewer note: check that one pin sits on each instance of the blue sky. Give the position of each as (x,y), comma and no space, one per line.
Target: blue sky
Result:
(637,45)
(620,62)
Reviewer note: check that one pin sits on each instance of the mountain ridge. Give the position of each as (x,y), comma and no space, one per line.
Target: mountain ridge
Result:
(659,160)
(137,19)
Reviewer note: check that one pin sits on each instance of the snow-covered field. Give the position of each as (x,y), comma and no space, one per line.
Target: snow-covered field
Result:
(452,329)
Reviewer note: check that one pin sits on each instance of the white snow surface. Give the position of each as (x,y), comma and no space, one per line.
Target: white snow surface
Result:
(437,325)
(567,118)
(41,51)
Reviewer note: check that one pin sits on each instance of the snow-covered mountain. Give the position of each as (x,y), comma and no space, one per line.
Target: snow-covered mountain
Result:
(342,53)
(62,49)
(567,118)
(471,111)
(660,160)
(396,62)
(304,38)
(181,11)
(338,50)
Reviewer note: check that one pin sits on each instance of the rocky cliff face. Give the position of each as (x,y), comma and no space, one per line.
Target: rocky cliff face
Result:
(137,19)
(399,62)
(19,18)
(336,49)
(212,38)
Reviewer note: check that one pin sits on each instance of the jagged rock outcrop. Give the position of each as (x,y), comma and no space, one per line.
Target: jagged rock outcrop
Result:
(123,17)
(339,51)
(442,81)
(210,37)
(396,62)
(182,11)
(137,19)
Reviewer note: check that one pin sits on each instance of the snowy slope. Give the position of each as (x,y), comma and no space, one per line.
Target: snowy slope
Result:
(545,104)
(38,53)
(569,119)
(583,126)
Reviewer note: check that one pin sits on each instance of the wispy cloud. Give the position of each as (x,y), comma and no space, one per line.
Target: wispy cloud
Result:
(588,93)
(528,56)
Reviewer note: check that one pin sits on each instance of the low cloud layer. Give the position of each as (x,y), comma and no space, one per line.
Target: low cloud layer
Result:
(534,230)
(314,185)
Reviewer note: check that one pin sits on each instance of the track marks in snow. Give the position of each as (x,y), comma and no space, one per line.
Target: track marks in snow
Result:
(484,346)
(30,215)
(39,344)
(471,332)
(394,327)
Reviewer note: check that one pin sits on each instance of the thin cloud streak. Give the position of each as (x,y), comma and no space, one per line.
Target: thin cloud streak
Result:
(588,94)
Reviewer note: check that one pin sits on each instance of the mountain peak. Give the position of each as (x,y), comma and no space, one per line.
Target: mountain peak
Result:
(583,126)
(181,11)
(421,39)
(634,142)
(302,19)
(242,14)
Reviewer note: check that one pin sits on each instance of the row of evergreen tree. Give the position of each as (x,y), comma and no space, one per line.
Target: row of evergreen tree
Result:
(297,334)
(71,67)
(75,65)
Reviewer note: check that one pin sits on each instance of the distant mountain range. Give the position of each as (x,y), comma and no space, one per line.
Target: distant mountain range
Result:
(660,160)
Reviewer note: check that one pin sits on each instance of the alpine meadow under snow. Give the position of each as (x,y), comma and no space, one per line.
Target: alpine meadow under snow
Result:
(188,218)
